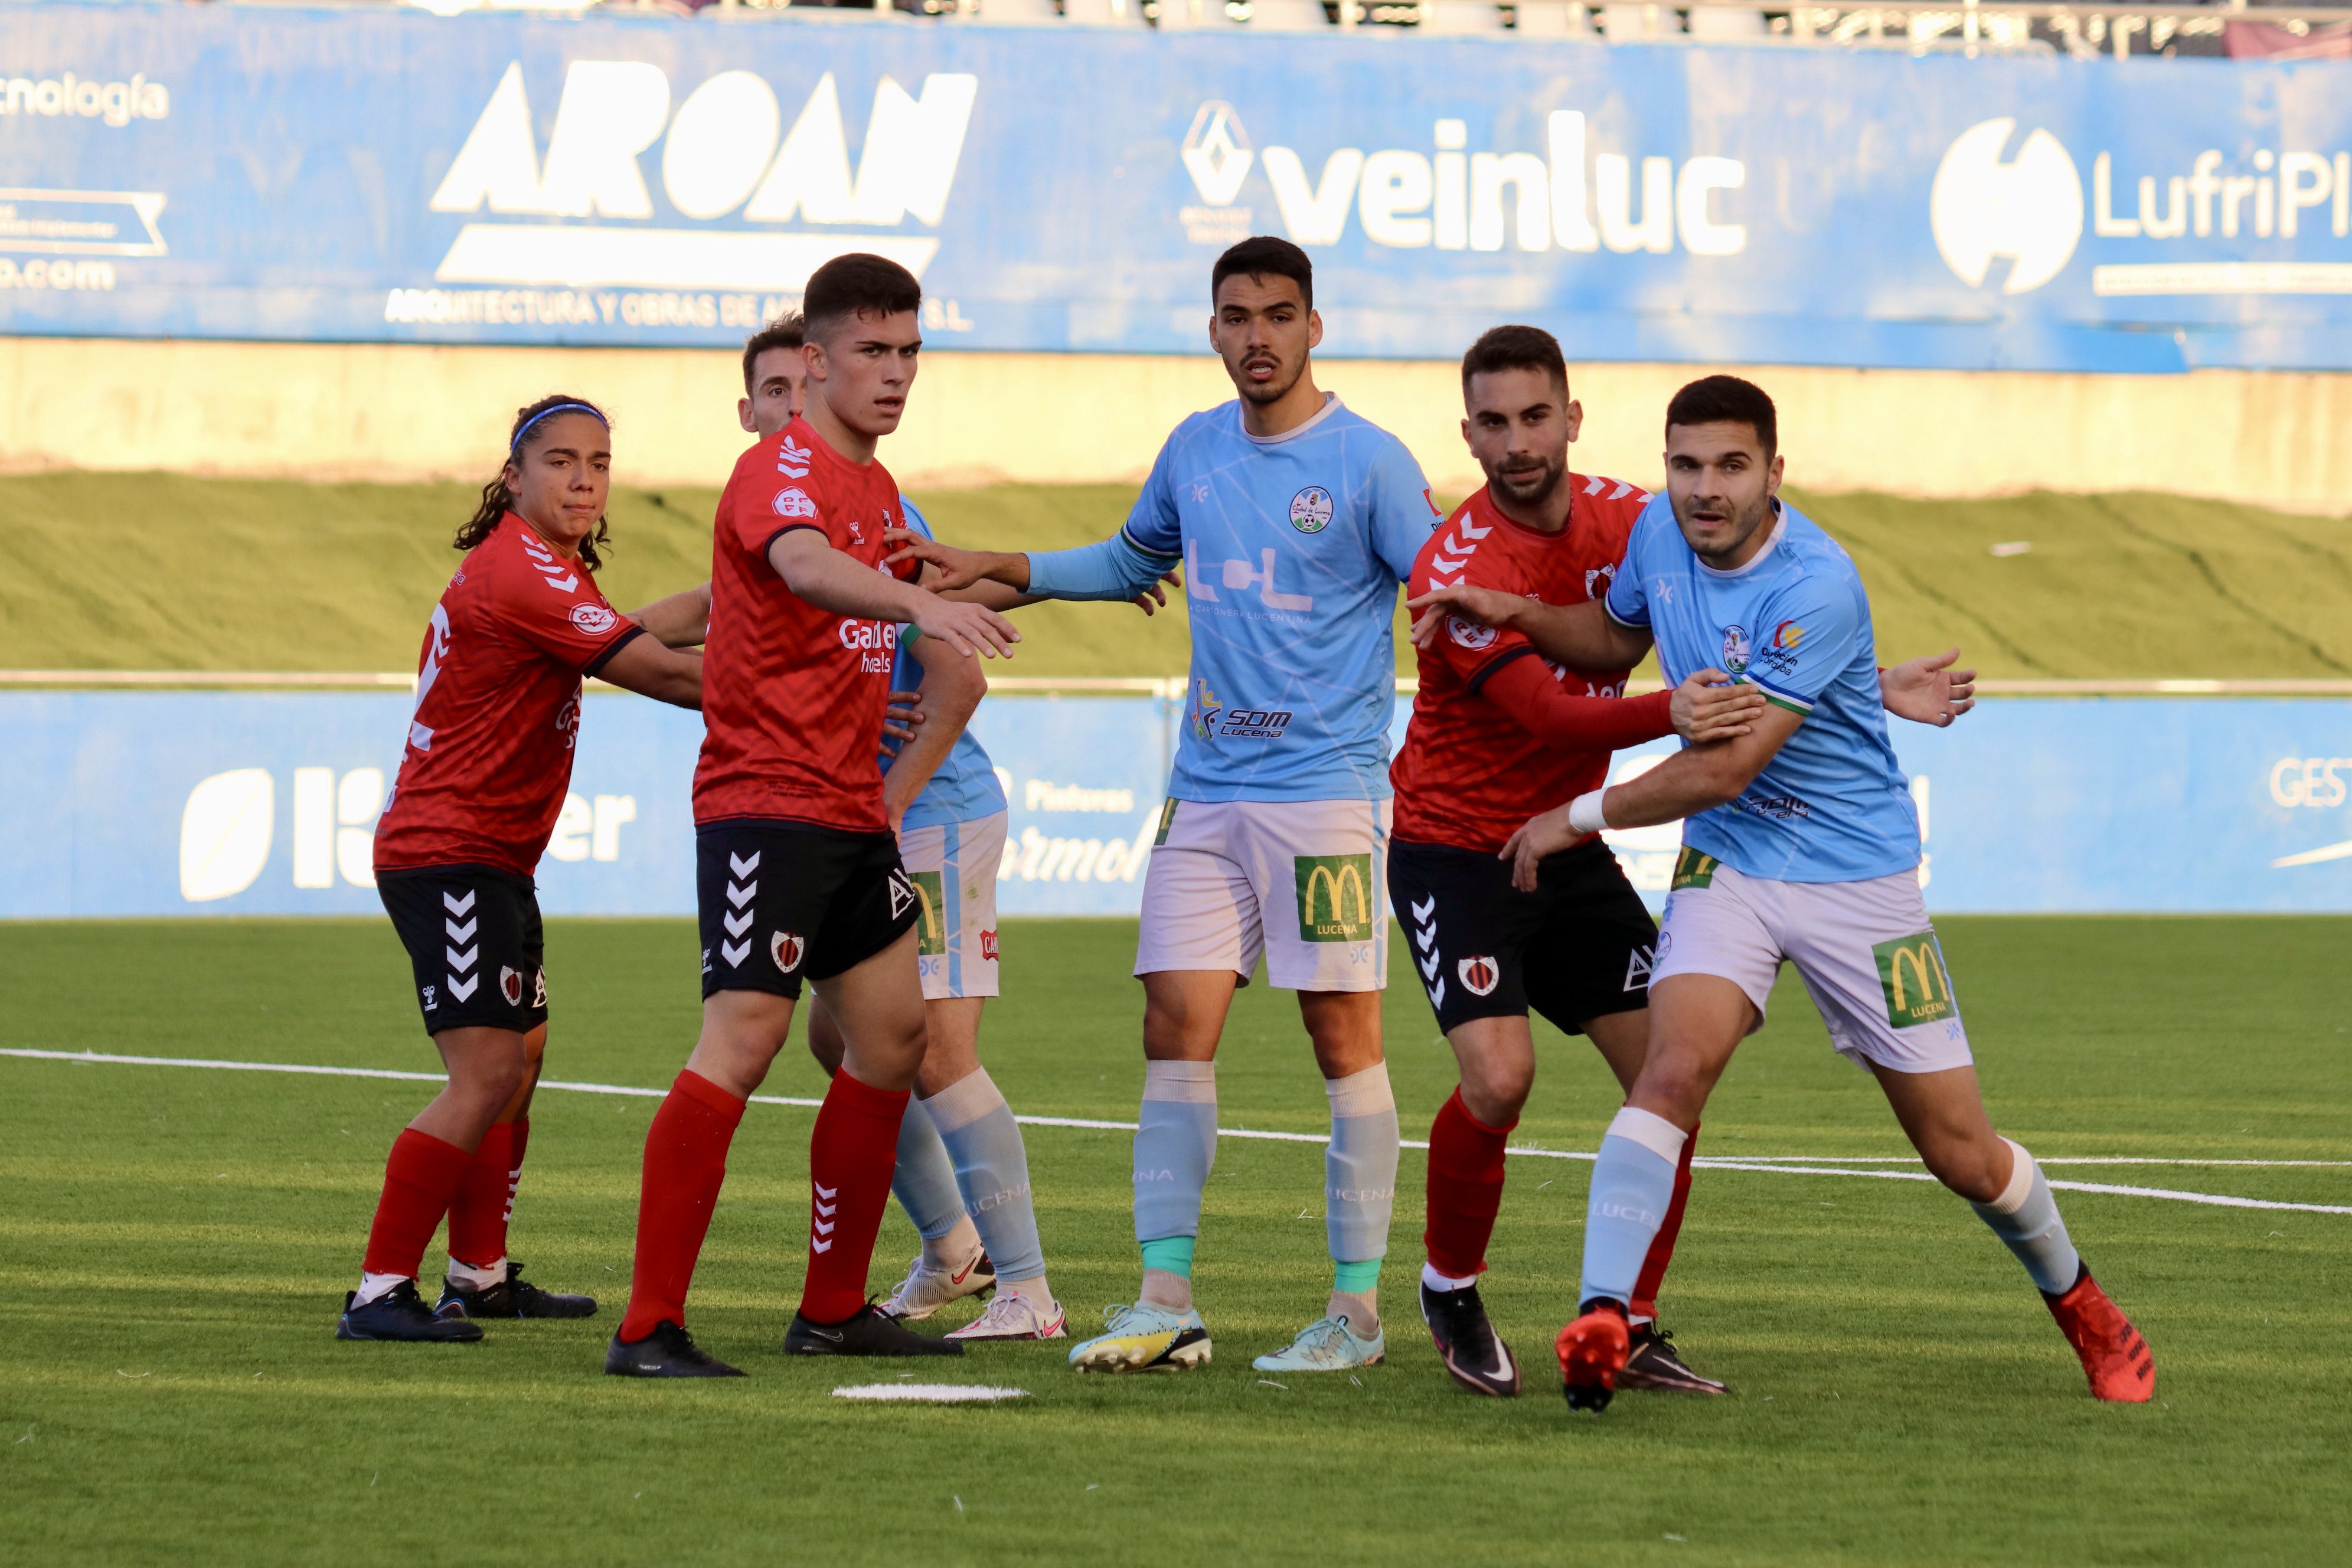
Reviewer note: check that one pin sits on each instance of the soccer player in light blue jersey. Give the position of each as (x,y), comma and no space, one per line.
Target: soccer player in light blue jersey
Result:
(1800,846)
(1294,520)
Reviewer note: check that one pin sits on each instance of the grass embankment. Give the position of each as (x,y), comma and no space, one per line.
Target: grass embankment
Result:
(166,571)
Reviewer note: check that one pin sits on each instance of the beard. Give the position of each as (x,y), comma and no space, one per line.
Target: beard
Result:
(1286,376)
(1531,487)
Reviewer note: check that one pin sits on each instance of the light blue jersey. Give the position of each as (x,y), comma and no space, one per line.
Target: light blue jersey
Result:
(1293,548)
(966,787)
(1832,806)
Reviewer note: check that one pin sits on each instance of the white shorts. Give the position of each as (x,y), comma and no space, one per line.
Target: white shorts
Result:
(1866,950)
(1302,881)
(953,866)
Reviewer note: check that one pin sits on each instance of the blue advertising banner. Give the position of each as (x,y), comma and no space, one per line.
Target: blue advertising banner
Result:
(386,175)
(190,804)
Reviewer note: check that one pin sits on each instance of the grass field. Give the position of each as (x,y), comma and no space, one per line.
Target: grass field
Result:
(174,1243)
(167,572)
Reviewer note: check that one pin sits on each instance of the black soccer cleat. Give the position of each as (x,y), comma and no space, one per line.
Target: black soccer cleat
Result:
(513,1296)
(669,1352)
(1474,1355)
(399,1313)
(1651,1364)
(863,1332)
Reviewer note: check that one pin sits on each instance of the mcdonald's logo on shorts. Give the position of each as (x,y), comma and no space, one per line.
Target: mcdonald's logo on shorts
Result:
(1693,869)
(930,914)
(1918,987)
(1335,898)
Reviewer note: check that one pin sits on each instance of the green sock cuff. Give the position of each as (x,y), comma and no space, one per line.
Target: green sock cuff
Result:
(1172,1254)
(1356,1277)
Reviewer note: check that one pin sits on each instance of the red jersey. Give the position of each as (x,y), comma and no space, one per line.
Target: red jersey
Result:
(1469,774)
(793,695)
(498,706)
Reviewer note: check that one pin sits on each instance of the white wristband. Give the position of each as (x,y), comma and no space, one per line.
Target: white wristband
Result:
(1584,812)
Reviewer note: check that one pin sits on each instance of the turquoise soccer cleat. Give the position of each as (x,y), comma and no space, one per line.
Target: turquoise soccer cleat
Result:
(1327,1344)
(1144,1338)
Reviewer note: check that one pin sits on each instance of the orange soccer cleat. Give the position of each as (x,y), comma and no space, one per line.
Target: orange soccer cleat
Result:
(1592,1352)
(2114,1357)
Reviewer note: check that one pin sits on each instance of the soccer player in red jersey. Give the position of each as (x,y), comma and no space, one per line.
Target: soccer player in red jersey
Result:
(487,762)
(1496,737)
(797,873)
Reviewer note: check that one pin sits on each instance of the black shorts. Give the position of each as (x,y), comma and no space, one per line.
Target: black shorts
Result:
(1579,947)
(780,900)
(474,941)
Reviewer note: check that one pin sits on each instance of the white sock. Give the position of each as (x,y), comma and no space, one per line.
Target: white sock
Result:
(1436,1281)
(375,1285)
(1360,1308)
(474,1278)
(1166,1289)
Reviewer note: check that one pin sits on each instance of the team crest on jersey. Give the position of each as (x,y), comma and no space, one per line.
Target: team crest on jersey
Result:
(1736,649)
(594,619)
(902,893)
(1311,510)
(1469,634)
(538,989)
(1479,975)
(792,501)
(988,946)
(1638,965)
(510,985)
(787,948)
(1594,576)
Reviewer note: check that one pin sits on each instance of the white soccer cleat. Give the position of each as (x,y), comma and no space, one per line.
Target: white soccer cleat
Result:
(1015,1317)
(1327,1344)
(926,1289)
(1144,1338)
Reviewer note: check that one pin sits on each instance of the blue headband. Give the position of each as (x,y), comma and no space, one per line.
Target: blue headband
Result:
(515,446)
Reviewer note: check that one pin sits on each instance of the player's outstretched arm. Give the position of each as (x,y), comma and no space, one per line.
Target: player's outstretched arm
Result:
(1113,568)
(1697,778)
(1702,708)
(1927,689)
(951,689)
(681,620)
(830,580)
(647,667)
(1581,636)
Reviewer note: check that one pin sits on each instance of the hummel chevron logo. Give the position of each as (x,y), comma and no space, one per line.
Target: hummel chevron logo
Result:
(735,952)
(1440,564)
(737,924)
(1438,993)
(460,933)
(1427,907)
(564,584)
(462,991)
(827,1210)
(456,905)
(1471,530)
(461,960)
(741,866)
(823,1227)
(821,1246)
(739,893)
(1422,936)
(1592,486)
(824,1191)
(1429,967)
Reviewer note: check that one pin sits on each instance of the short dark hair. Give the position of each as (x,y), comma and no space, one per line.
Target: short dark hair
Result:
(1515,347)
(783,332)
(1263,255)
(854,285)
(1726,399)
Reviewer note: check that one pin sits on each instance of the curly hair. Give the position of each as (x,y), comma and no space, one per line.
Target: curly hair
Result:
(498,497)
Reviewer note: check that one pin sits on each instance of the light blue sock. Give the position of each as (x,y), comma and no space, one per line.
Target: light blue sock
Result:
(1360,1174)
(992,1169)
(924,1181)
(1175,1148)
(2025,1217)
(1632,1185)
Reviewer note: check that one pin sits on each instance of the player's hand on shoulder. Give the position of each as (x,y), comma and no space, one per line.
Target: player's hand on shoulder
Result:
(1538,838)
(1927,689)
(1155,598)
(1708,706)
(967,627)
(1460,601)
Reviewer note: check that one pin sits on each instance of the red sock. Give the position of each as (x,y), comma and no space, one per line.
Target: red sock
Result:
(686,1161)
(477,1214)
(1644,1307)
(852,1154)
(1466,1189)
(420,1176)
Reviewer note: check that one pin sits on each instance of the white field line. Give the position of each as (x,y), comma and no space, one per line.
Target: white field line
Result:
(1770,1164)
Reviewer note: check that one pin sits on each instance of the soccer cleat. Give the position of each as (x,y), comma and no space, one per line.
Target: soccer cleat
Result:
(399,1313)
(1474,1355)
(1144,1338)
(1014,1317)
(2114,1357)
(1327,1344)
(669,1352)
(926,1289)
(866,1331)
(1592,1352)
(513,1296)
(1651,1364)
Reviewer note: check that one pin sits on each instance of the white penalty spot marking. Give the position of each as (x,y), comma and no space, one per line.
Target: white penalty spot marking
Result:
(930,1394)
